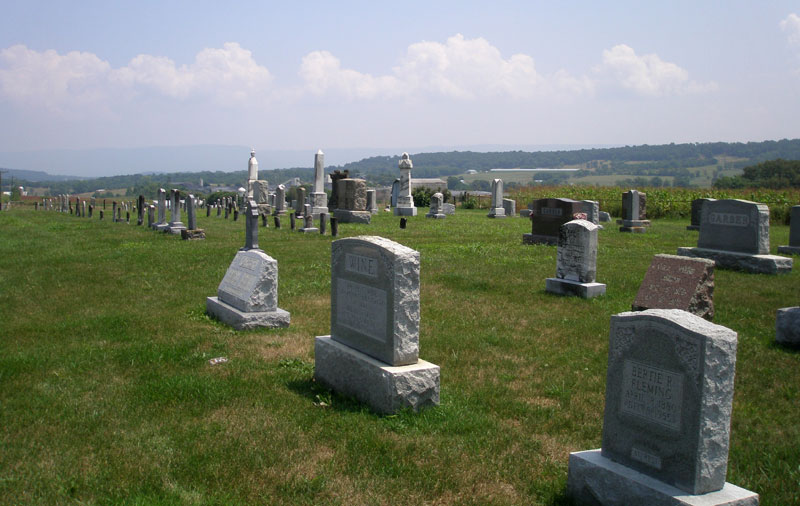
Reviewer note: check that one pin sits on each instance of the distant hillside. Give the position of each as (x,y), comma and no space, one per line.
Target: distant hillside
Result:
(32,176)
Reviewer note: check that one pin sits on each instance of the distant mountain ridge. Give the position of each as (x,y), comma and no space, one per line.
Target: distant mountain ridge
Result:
(33,176)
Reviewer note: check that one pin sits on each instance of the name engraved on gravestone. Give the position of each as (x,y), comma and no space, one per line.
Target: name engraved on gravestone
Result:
(652,393)
(240,281)
(361,265)
(734,220)
(362,308)
(551,211)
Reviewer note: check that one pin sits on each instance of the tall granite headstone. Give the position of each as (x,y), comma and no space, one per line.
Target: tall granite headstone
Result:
(576,261)
(735,234)
(669,395)
(372,353)
(192,232)
(372,204)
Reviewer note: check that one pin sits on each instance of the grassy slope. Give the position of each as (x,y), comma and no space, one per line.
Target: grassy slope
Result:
(106,394)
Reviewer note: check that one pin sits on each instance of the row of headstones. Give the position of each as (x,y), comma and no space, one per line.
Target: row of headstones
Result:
(665,435)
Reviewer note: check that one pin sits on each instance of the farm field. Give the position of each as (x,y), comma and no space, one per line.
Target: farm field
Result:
(107,394)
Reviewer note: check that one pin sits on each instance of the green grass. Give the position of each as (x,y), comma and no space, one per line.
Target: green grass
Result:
(107,396)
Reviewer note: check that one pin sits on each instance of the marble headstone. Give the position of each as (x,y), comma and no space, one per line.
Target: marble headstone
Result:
(436,207)
(576,268)
(319,199)
(496,209)
(405,202)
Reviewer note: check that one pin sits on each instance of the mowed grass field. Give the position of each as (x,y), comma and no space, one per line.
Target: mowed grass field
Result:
(107,394)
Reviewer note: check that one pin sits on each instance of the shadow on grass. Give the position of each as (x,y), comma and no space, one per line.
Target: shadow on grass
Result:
(561,499)
(788,348)
(324,397)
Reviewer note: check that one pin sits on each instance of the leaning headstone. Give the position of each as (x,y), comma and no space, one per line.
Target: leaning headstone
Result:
(669,395)
(175,223)
(162,210)
(352,201)
(787,326)
(319,199)
(405,202)
(735,234)
(496,210)
(191,232)
(247,297)
(372,353)
(674,282)
(634,212)
(436,207)
(308,221)
(510,207)
(547,216)
(794,234)
(576,261)
(449,209)
(697,210)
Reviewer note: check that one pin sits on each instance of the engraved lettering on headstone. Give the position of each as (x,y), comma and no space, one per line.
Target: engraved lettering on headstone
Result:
(361,308)
(646,457)
(730,219)
(652,393)
(361,265)
(551,211)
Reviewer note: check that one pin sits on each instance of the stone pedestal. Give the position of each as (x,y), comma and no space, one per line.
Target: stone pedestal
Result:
(385,388)
(635,226)
(319,204)
(175,228)
(346,216)
(405,206)
(760,264)
(568,287)
(241,320)
(497,212)
(594,479)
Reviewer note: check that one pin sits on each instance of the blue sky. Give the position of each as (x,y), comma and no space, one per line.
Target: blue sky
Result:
(336,75)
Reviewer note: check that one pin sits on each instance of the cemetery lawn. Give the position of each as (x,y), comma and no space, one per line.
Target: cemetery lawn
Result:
(107,394)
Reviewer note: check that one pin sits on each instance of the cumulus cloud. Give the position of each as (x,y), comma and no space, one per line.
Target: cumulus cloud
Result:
(56,81)
(791,25)
(460,68)
(648,75)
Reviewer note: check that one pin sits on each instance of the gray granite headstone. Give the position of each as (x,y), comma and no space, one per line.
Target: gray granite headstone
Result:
(794,234)
(697,210)
(787,326)
(300,203)
(319,199)
(735,225)
(280,200)
(669,395)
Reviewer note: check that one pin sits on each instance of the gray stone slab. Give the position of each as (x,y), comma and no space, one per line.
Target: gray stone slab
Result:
(678,282)
(241,320)
(789,250)
(346,216)
(385,388)
(734,225)
(759,264)
(251,282)
(669,396)
(787,326)
(375,298)
(594,479)
(576,288)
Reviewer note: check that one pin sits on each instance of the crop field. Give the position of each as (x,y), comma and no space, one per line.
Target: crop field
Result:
(107,394)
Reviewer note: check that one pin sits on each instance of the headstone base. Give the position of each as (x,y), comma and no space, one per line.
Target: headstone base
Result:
(175,229)
(309,230)
(345,216)
(594,479)
(405,211)
(789,250)
(316,211)
(759,264)
(193,235)
(497,212)
(634,226)
(240,320)
(385,388)
(692,227)
(436,216)
(787,326)
(539,239)
(566,287)
(160,226)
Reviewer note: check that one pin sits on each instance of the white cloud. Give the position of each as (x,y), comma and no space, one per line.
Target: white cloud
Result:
(51,79)
(791,25)
(464,69)
(58,81)
(648,75)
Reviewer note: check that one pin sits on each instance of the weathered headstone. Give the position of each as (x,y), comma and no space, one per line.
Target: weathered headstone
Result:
(448,209)
(697,210)
(372,353)
(372,204)
(280,200)
(547,216)
(395,193)
(308,221)
(496,209)
(140,210)
(669,395)
(592,210)
(787,326)
(576,261)
(352,201)
(674,282)
(252,174)
(162,210)
(113,211)
(735,234)
(191,232)
(300,203)
(336,175)
(334,226)
(794,234)
(436,207)
(150,215)
(405,202)
(175,223)
(319,199)
(634,212)
(510,207)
